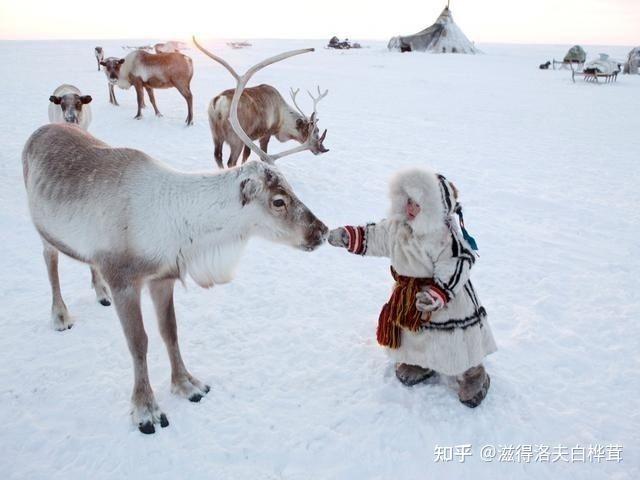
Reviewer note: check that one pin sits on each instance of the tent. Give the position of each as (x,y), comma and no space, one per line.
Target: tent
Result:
(444,36)
(633,61)
(576,54)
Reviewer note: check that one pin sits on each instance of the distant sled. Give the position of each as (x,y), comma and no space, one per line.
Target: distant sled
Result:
(602,70)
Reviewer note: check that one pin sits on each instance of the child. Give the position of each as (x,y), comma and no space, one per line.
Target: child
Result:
(433,321)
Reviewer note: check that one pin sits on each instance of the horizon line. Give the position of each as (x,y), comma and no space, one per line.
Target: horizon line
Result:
(359,39)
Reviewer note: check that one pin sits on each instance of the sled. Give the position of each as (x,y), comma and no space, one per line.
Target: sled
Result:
(595,77)
(568,64)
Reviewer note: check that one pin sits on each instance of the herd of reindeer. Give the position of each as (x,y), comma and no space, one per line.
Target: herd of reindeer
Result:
(262,111)
(138,222)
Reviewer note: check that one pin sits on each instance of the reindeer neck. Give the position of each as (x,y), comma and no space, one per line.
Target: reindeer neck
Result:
(204,208)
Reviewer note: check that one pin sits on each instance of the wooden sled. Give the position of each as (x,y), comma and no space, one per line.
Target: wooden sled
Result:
(594,77)
(566,65)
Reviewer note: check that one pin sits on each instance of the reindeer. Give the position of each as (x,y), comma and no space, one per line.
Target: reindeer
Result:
(111,65)
(263,113)
(146,71)
(99,53)
(141,222)
(169,47)
(67,104)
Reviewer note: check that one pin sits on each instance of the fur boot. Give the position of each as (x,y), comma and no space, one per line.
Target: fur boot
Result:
(474,385)
(411,375)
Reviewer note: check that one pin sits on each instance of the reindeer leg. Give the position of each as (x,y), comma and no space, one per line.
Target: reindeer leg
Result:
(185,91)
(236,149)
(264,143)
(59,313)
(140,96)
(246,151)
(182,382)
(145,411)
(217,152)
(152,97)
(112,96)
(100,287)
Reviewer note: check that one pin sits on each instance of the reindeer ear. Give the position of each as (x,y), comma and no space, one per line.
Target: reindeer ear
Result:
(121,61)
(248,190)
(299,124)
(54,99)
(86,99)
(103,64)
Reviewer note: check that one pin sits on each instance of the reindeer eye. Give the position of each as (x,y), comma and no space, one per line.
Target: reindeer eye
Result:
(278,203)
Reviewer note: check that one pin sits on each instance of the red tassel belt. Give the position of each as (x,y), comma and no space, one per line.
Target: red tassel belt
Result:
(400,311)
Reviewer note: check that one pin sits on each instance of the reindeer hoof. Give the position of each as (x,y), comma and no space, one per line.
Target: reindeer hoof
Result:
(137,117)
(61,321)
(190,388)
(105,302)
(147,428)
(147,415)
(159,115)
(163,421)
(196,397)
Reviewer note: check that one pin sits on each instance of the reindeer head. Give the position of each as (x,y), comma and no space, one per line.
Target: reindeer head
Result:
(281,216)
(307,127)
(71,105)
(112,68)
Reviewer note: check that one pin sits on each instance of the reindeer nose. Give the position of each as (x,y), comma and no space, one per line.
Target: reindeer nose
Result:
(321,231)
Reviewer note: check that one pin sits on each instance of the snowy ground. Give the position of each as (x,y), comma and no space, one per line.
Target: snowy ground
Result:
(548,172)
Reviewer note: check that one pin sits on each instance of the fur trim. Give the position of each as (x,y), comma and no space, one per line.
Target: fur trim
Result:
(436,196)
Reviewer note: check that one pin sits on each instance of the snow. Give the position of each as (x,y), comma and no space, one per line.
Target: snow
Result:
(547,170)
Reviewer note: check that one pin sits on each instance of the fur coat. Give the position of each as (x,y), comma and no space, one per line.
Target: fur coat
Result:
(458,336)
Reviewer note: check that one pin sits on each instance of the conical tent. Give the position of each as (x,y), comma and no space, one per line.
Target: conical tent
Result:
(633,61)
(444,36)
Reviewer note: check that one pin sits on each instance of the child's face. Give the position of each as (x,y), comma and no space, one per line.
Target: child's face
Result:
(412,209)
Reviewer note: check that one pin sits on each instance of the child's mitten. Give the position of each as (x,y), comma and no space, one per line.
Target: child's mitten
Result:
(338,237)
(430,299)
(349,237)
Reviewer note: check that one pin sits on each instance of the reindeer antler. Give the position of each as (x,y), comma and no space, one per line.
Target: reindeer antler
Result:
(317,99)
(241,83)
(293,94)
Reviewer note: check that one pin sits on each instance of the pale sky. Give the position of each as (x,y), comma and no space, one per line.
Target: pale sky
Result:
(603,22)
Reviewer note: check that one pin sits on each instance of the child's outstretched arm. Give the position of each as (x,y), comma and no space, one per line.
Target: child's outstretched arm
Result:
(371,239)
(452,269)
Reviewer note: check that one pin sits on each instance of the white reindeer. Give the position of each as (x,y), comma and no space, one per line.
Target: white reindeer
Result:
(67,104)
(141,222)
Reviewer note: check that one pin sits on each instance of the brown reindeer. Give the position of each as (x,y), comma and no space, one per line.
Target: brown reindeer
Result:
(146,71)
(263,113)
(111,66)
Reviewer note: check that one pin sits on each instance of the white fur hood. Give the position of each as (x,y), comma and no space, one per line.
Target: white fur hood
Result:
(436,196)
